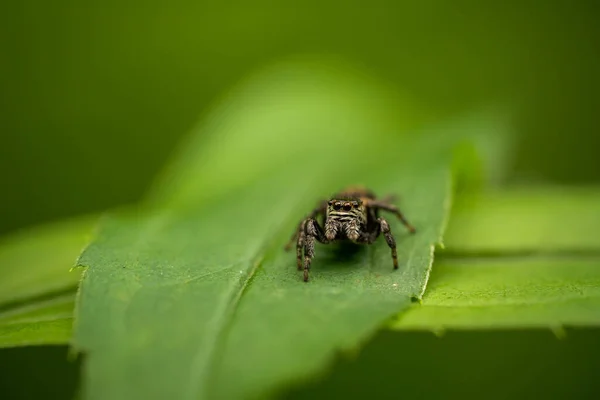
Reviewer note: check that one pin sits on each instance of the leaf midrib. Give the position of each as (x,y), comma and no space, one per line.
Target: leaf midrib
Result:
(200,376)
(202,367)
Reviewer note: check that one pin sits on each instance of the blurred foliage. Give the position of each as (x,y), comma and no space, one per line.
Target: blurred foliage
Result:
(526,220)
(467,365)
(41,372)
(40,321)
(33,261)
(96,95)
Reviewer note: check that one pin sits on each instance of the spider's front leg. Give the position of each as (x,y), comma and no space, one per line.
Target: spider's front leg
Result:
(300,243)
(312,230)
(319,209)
(389,238)
(383,227)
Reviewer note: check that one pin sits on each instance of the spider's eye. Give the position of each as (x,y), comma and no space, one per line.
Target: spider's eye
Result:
(337,206)
(347,207)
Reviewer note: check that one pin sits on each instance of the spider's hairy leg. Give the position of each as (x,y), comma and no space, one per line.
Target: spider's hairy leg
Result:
(300,243)
(393,209)
(390,198)
(312,230)
(316,211)
(389,238)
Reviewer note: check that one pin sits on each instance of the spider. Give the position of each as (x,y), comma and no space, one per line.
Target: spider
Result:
(350,215)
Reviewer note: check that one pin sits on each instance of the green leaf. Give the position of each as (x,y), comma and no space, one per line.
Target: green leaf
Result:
(524,220)
(508,293)
(37,261)
(43,322)
(544,270)
(37,285)
(191,295)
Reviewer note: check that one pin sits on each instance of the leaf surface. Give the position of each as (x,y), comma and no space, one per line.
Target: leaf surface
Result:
(519,258)
(508,293)
(191,295)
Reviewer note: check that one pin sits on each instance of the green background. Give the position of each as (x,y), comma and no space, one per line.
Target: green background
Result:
(96,95)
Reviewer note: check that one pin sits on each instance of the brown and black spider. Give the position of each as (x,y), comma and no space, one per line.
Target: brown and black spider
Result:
(350,215)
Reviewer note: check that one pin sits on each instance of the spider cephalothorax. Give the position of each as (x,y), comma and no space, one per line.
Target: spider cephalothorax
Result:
(344,219)
(351,215)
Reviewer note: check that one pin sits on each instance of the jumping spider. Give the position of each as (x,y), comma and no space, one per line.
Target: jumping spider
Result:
(352,214)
